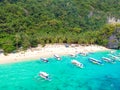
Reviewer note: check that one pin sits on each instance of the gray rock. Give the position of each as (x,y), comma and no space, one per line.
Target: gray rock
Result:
(114,40)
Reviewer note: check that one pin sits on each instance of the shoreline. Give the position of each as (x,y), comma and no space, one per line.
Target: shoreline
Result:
(48,51)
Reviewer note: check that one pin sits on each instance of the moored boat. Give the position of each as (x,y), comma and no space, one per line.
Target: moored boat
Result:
(44,75)
(114,57)
(83,54)
(90,52)
(107,60)
(73,55)
(44,59)
(75,62)
(57,57)
(112,51)
(118,54)
(95,61)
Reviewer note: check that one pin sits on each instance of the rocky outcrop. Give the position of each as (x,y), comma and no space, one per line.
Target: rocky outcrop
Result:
(114,39)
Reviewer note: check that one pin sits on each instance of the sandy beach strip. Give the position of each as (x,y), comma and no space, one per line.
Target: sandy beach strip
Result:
(48,51)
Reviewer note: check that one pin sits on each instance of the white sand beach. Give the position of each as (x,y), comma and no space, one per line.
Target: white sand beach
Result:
(48,51)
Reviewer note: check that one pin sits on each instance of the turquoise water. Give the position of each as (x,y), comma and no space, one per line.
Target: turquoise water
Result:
(65,76)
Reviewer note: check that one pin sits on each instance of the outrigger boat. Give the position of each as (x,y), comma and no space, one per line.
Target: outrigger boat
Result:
(57,57)
(114,57)
(44,75)
(112,51)
(107,59)
(83,54)
(72,55)
(44,59)
(118,55)
(90,52)
(95,61)
(75,62)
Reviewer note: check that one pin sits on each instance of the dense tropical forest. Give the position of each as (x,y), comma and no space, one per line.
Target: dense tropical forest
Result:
(27,23)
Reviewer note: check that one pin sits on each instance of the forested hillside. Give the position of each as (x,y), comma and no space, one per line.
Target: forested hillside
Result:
(27,23)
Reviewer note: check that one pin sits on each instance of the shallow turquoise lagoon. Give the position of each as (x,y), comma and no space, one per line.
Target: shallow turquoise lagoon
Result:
(65,76)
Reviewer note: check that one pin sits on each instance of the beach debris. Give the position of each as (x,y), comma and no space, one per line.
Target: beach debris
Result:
(66,45)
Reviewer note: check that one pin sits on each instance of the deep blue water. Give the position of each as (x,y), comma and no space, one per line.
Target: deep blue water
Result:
(65,76)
